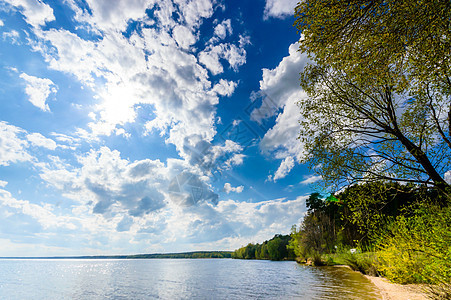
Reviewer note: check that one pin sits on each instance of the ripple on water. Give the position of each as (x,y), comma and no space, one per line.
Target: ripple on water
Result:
(178,279)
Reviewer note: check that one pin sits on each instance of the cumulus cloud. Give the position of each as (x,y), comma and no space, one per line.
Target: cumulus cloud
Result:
(311,179)
(285,167)
(111,16)
(211,158)
(38,90)
(12,145)
(183,36)
(36,13)
(225,87)
(188,189)
(154,65)
(229,188)
(279,8)
(109,184)
(12,36)
(223,29)
(41,213)
(164,66)
(211,56)
(230,224)
(279,93)
(37,139)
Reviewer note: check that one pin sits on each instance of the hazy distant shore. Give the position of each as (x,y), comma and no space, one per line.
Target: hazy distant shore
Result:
(194,254)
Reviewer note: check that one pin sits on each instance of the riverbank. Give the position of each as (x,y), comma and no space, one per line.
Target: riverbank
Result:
(393,291)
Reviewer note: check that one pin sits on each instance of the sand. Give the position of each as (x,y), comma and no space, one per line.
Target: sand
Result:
(392,291)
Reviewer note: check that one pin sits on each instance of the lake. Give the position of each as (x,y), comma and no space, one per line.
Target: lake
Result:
(178,279)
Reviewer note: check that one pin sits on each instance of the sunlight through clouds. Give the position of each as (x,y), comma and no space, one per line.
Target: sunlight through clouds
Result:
(148,126)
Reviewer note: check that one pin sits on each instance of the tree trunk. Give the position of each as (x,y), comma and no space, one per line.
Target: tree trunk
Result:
(422,158)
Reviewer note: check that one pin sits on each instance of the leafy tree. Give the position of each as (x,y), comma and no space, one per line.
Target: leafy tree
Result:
(370,207)
(249,252)
(274,249)
(379,88)
(315,202)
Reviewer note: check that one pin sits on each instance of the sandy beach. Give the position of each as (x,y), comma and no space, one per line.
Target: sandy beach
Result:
(393,291)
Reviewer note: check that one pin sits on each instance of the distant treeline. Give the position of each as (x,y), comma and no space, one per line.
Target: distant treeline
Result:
(274,249)
(195,254)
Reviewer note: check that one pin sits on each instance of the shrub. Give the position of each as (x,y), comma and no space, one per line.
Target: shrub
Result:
(417,249)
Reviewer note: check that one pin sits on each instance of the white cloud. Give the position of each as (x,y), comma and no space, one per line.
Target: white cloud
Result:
(236,160)
(36,13)
(224,87)
(38,90)
(210,57)
(1,23)
(157,67)
(183,36)
(121,202)
(311,179)
(12,147)
(110,16)
(279,90)
(12,36)
(222,29)
(285,167)
(448,177)
(42,213)
(3,183)
(279,8)
(39,140)
(110,184)
(228,188)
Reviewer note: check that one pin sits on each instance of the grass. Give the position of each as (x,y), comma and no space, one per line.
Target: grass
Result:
(365,263)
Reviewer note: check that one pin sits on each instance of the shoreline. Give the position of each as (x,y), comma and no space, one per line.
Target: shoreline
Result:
(394,291)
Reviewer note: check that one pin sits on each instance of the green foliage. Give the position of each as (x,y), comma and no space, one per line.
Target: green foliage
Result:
(379,90)
(406,233)
(196,254)
(417,249)
(365,263)
(370,207)
(274,249)
(319,231)
(314,202)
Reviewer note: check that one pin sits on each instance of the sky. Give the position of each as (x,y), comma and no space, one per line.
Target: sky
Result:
(145,126)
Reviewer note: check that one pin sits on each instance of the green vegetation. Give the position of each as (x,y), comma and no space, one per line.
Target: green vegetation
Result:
(196,254)
(396,231)
(274,249)
(417,248)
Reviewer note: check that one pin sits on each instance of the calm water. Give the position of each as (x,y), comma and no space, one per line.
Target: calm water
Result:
(178,279)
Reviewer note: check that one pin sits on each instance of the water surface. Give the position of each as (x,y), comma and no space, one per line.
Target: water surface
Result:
(178,279)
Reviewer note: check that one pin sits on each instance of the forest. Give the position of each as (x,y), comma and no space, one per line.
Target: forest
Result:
(274,249)
(380,228)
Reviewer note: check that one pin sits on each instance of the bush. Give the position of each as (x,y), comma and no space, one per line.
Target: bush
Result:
(417,249)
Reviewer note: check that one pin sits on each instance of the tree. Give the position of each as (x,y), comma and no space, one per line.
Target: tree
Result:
(371,207)
(379,87)
(314,202)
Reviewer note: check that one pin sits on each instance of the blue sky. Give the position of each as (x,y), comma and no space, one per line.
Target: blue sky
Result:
(148,126)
